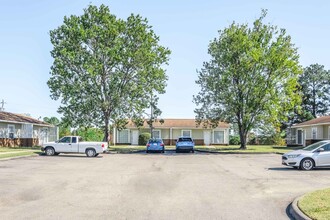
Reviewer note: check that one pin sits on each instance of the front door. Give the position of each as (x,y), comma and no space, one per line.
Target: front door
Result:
(135,137)
(300,136)
(207,137)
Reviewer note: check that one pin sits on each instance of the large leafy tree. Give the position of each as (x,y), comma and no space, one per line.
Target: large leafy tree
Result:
(315,89)
(251,78)
(105,68)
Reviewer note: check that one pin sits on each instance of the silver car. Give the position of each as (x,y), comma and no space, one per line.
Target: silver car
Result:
(314,155)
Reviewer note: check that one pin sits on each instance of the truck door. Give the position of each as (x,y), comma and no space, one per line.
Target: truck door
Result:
(64,145)
(74,145)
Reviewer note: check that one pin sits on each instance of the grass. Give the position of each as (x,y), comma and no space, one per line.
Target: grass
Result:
(8,152)
(250,149)
(316,204)
(18,154)
(224,149)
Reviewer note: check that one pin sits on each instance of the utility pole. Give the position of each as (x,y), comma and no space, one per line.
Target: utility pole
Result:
(2,105)
(151,119)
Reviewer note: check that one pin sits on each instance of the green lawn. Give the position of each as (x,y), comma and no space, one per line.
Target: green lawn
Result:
(6,152)
(316,204)
(224,149)
(250,149)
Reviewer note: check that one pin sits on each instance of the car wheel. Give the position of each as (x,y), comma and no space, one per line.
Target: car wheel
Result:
(147,151)
(90,153)
(307,164)
(50,151)
(193,151)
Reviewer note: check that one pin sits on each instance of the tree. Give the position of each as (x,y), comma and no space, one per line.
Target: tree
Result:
(64,130)
(105,68)
(251,78)
(315,90)
(90,134)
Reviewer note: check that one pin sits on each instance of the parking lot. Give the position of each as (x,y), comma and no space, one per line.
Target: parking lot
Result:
(152,186)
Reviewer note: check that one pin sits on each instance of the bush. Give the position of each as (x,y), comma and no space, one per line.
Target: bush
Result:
(234,140)
(143,138)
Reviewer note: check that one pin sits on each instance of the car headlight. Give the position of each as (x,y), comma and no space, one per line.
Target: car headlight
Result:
(293,155)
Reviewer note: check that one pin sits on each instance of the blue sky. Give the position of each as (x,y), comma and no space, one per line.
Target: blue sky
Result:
(186,27)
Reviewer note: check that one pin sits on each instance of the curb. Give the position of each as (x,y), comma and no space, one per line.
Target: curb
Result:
(19,157)
(296,212)
(217,152)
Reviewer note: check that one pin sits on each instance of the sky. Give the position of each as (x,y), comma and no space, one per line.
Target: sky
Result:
(186,27)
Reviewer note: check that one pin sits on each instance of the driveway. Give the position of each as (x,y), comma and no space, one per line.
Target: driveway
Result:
(152,186)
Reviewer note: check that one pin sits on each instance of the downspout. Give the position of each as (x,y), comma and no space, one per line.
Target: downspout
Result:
(170,136)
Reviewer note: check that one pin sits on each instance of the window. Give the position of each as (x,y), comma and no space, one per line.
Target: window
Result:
(185,140)
(123,136)
(326,147)
(218,137)
(74,139)
(314,133)
(65,140)
(186,133)
(156,134)
(11,131)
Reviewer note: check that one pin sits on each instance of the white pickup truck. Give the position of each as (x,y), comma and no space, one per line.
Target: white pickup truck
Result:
(74,144)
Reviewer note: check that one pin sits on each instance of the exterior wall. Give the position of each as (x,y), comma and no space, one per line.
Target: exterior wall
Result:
(4,130)
(27,134)
(197,135)
(325,131)
(308,132)
(319,132)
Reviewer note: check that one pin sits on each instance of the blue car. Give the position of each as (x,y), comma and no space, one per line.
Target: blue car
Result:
(155,145)
(185,144)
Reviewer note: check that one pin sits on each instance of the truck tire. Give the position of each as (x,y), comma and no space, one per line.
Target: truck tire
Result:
(50,151)
(90,152)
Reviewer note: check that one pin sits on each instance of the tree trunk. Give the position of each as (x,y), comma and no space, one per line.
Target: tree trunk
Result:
(106,131)
(242,135)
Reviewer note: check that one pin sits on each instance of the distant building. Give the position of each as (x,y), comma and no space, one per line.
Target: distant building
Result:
(309,132)
(21,130)
(171,129)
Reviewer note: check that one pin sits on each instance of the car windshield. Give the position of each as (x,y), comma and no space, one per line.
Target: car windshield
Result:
(155,141)
(314,146)
(185,139)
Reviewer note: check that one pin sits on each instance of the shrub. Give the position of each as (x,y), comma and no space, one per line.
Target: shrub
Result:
(143,138)
(234,140)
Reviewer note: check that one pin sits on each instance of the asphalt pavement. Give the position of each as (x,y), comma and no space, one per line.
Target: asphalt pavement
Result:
(152,186)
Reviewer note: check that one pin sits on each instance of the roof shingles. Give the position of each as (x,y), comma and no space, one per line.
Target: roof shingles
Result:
(315,121)
(176,123)
(11,117)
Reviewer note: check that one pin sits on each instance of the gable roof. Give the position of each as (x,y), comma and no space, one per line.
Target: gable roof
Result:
(315,121)
(176,123)
(20,119)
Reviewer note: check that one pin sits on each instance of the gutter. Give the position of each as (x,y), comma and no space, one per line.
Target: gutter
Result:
(16,122)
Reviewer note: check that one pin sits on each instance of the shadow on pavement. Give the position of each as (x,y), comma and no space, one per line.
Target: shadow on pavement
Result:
(295,169)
